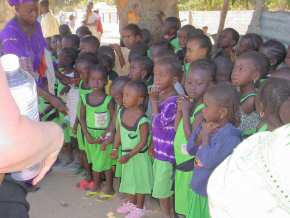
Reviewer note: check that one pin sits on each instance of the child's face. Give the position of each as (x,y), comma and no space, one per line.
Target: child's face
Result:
(83,71)
(97,80)
(88,47)
(66,43)
(129,39)
(245,45)
(63,60)
(117,94)
(197,84)
(194,51)
(284,112)
(168,32)
(244,72)
(211,112)
(130,97)
(136,71)
(287,59)
(182,36)
(226,40)
(53,45)
(162,78)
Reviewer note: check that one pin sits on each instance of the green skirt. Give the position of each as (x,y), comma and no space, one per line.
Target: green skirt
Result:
(197,206)
(65,124)
(101,160)
(118,173)
(137,175)
(163,181)
(182,188)
(80,138)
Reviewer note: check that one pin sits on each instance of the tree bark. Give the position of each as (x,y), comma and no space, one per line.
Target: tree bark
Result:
(223,17)
(6,13)
(255,25)
(146,13)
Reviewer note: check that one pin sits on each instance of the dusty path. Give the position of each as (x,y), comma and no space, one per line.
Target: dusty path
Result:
(59,198)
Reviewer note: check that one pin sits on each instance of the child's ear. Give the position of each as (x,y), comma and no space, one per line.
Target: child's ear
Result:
(256,76)
(141,101)
(224,112)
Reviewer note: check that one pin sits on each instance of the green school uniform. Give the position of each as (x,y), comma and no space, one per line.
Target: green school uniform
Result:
(80,136)
(197,206)
(46,111)
(187,70)
(175,44)
(118,173)
(137,173)
(98,119)
(183,178)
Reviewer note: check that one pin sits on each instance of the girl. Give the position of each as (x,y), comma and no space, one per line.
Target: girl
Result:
(188,116)
(182,38)
(83,64)
(212,142)
(97,111)
(270,104)
(130,35)
(133,133)
(248,69)
(249,42)
(163,99)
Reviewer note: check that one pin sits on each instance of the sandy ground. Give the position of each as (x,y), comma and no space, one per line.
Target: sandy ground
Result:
(58,197)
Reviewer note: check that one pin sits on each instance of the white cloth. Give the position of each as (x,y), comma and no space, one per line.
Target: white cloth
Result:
(255,180)
(50,73)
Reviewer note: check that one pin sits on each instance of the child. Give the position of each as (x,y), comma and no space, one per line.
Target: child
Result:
(182,38)
(138,50)
(67,91)
(188,116)
(141,68)
(70,41)
(248,69)
(228,39)
(163,99)
(269,104)
(249,42)
(55,46)
(146,36)
(130,36)
(97,111)
(197,47)
(224,69)
(134,135)
(82,65)
(212,142)
(275,52)
(89,44)
(83,31)
(117,94)
(170,28)
(282,73)
(64,30)
(158,47)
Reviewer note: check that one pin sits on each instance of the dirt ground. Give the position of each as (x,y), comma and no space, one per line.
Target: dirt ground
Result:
(59,197)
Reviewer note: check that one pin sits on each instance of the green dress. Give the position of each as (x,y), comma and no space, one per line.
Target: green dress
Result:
(137,173)
(63,120)
(175,44)
(182,178)
(80,136)
(118,173)
(197,206)
(187,70)
(98,119)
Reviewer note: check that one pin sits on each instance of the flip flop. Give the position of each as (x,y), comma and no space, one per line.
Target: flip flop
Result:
(104,196)
(92,194)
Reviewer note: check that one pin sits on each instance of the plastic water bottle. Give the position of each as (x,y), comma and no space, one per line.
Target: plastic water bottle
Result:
(24,92)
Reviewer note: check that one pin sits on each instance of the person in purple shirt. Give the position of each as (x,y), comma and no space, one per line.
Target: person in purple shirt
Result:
(23,37)
(212,142)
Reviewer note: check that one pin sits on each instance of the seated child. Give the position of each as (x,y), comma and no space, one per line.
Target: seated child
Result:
(134,134)
(212,142)
(248,69)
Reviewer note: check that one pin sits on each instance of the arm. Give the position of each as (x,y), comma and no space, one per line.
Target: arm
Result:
(24,142)
(192,146)
(111,127)
(120,55)
(84,124)
(117,144)
(144,129)
(211,156)
(197,122)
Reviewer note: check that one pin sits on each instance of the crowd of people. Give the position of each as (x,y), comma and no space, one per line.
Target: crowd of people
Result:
(161,115)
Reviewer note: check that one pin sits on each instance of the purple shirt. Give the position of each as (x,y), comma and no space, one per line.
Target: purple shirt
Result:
(208,157)
(15,41)
(163,130)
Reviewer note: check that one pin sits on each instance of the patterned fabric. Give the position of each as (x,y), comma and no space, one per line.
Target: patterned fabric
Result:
(163,130)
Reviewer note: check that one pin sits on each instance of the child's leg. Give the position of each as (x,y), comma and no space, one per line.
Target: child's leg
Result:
(140,198)
(166,206)
(97,182)
(108,189)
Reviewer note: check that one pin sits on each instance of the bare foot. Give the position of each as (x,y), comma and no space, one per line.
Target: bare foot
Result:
(108,190)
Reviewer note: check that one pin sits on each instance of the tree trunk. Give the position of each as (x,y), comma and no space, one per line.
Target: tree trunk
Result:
(223,17)
(146,13)
(255,25)
(6,13)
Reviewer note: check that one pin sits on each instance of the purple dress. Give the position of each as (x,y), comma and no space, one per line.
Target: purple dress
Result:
(163,130)
(15,41)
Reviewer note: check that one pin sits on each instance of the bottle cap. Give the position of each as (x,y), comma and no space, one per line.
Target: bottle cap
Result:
(10,62)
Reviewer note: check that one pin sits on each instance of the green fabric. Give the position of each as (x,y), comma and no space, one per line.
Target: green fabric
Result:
(46,115)
(264,128)
(80,136)
(197,206)
(118,172)
(149,53)
(187,70)
(137,173)
(183,179)
(175,44)
(244,98)
(162,174)
(98,120)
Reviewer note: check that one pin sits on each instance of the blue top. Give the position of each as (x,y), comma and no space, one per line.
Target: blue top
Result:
(208,157)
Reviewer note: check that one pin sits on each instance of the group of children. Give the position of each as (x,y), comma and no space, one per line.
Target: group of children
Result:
(179,109)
